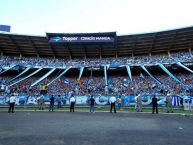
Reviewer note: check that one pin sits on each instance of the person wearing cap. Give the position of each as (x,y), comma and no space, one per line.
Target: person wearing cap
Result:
(72,102)
(12,104)
(169,103)
(112,101)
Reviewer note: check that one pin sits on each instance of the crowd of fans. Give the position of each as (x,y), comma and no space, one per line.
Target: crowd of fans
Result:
(117,84)
(95,62)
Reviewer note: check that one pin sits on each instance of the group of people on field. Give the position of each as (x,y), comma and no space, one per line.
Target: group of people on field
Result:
(113,101)
(168,102)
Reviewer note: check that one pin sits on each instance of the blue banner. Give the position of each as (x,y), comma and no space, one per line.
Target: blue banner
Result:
(59,75)
(129,72)
(28,68)
(180,64)
(81,71)
(43,77)
(143,67)
(169,73)
(26,77)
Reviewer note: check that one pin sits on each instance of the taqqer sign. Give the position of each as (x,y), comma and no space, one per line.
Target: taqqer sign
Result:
(78,39)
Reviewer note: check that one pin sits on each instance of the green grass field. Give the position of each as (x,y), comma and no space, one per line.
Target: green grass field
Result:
(97,109)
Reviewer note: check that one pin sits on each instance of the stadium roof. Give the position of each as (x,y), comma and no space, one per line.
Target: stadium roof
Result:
(127,45)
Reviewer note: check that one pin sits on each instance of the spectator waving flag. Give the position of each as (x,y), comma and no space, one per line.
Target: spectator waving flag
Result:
(141,76)
(66,81)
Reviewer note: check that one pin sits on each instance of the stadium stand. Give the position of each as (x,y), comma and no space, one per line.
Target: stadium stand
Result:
(153,63)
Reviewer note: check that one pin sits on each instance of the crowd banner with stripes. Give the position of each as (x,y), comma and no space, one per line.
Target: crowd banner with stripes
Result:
(24,71)
(144,68)
(8,69)
(81,71)
(26,77)
(169,73)
(105,72)
(180,64)
(43,77)
(58,77)
(129,72)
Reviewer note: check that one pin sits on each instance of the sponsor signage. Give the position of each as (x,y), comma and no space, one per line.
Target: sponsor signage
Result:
(79,38)
(69,39)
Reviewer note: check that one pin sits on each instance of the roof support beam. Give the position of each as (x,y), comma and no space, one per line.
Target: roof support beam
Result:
(16,45)
(134,46)
(172,41)
(34,46)
(191,47)
(116,52)
(100,51)
(85,51)
(1,50)
(53,52)
(69,50)
(153,43)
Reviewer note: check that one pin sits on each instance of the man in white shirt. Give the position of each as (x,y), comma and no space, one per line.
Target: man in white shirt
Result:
(12,104)
(112,101)
(72,102)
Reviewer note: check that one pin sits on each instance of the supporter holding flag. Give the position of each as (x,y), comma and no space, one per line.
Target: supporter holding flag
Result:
(43,89)
(66,81)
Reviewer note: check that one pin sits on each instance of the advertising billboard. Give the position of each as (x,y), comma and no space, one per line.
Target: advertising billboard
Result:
(82,38)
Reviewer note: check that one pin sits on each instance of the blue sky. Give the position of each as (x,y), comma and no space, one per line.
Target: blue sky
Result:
(37,17)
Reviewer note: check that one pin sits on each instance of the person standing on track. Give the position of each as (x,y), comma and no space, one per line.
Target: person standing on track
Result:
(72,102)
(92,102)
(154,105)
(51,103)
(12,103)
(112,102)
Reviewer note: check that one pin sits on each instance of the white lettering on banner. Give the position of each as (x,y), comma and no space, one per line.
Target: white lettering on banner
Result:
(85,38)
(70,38)
(88,38)
(103,38)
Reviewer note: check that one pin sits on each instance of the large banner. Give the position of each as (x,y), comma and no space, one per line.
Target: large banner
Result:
(78,39)
(82,38)
(127,100)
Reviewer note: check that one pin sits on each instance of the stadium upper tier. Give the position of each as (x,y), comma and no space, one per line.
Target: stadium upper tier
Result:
(184,57)
(125,46)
